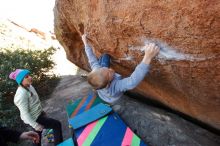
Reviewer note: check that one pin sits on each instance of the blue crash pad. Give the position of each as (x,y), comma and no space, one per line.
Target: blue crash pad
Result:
(89,116)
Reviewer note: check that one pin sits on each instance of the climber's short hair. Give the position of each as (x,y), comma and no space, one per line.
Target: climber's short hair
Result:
(97,79)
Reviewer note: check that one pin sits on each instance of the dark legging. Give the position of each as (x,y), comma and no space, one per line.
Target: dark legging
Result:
(50,123)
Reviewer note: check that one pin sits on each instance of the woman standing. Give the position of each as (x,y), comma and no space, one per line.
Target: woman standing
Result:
(28,103)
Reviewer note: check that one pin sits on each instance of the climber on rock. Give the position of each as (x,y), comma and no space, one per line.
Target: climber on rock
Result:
(110,85)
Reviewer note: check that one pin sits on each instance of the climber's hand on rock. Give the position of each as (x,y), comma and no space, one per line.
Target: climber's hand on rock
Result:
(84,39)
(151,50)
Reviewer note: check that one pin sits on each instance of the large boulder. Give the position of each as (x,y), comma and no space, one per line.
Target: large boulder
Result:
(185,75)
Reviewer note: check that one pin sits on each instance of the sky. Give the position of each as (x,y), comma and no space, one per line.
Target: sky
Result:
(36,14)
(29,13)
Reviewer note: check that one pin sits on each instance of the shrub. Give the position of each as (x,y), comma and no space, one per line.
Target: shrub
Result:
(38,62)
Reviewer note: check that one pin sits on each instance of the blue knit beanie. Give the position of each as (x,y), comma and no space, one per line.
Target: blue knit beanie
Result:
(18,75)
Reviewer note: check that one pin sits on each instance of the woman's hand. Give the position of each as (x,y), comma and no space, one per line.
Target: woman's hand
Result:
(39,127)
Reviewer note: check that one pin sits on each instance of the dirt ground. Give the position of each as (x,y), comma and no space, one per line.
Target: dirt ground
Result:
(155,126)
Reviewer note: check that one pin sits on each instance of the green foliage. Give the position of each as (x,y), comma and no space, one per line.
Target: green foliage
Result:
(38,62)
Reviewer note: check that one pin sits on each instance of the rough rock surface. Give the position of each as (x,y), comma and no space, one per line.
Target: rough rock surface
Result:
(155,126)
(186,74)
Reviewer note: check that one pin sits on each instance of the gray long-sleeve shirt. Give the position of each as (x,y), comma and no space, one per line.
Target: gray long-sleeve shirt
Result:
(118,85)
